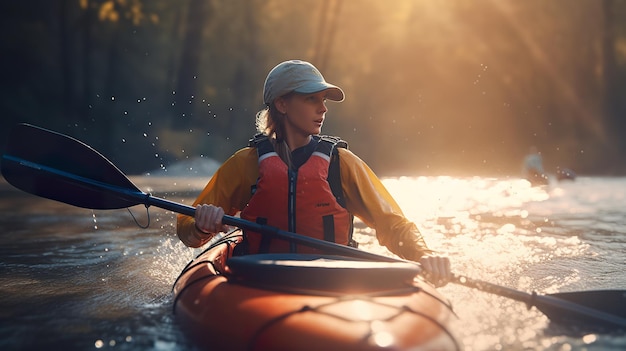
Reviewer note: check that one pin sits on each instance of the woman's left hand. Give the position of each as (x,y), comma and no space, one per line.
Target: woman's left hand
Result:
(436,269)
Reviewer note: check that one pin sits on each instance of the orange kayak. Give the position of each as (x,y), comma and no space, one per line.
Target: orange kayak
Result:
(307,302)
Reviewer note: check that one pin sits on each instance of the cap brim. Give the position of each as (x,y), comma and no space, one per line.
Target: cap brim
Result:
(333,92)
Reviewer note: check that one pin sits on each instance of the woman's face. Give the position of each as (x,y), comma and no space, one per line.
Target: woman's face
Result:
(305,113)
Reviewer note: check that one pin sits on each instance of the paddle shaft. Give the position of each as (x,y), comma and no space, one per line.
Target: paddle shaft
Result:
(326,246)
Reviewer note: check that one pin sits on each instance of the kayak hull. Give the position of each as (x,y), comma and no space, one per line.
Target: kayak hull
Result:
(221,310)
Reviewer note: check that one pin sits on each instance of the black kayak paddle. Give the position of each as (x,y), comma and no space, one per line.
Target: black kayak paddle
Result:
(58,167)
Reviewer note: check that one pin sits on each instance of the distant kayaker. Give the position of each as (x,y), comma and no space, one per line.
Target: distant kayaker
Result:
(281,180)
(532,169)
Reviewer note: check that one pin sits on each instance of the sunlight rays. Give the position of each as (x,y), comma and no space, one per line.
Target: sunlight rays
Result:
(549,68)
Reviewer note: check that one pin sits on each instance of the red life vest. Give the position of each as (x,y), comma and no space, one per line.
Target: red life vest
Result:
(299,201)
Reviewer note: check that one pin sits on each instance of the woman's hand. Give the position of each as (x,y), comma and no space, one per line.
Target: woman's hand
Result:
(436,269)
(209,219)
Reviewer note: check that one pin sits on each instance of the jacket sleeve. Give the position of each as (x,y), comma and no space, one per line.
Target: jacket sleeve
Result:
(369,200)
(229,188)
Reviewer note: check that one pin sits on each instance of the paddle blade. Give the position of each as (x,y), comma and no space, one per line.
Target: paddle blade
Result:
(611,302)
(589,308)
(61,168)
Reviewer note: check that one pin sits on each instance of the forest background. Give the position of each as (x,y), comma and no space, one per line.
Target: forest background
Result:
(448,87)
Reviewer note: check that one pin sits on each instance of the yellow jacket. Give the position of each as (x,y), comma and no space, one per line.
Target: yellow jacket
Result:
(366,198)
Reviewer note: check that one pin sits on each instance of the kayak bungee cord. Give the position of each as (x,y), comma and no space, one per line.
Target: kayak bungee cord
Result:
(371,324)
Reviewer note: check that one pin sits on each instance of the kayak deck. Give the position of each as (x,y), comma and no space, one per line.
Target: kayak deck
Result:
(307,302)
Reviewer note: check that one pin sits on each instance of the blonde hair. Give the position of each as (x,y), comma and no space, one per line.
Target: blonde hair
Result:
(271,122)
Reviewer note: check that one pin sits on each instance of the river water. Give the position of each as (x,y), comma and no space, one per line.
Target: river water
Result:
(78,279)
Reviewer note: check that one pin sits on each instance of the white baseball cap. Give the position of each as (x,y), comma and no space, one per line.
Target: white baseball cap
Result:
(300,77)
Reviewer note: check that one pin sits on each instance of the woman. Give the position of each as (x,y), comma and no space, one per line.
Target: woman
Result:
(256,179)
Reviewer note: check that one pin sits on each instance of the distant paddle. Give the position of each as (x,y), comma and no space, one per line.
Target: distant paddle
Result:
(64,169)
